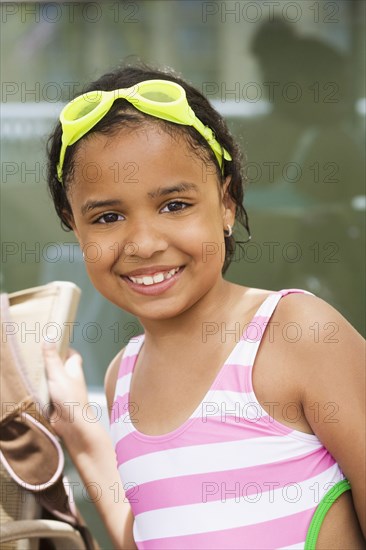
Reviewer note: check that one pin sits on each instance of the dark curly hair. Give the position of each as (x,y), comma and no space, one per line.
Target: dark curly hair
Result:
(122,112)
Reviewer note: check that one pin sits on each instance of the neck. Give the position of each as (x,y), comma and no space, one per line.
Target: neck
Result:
(204,316)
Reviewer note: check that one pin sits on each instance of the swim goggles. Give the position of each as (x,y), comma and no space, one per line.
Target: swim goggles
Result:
(159,98)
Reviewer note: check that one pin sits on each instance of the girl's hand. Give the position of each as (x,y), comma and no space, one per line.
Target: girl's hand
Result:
(67,389)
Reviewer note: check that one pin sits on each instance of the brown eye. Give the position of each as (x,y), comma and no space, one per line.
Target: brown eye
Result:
(110,217)
(176,206)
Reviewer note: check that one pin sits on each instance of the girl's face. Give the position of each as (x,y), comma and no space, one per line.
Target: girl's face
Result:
(149,215)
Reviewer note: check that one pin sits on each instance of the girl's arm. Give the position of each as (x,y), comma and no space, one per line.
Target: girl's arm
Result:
(88,445)
(330,362)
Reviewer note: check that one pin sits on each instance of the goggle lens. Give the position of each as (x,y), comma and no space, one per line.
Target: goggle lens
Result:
(79,109)
(159,97)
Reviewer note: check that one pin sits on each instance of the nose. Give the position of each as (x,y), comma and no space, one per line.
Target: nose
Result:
(145,240)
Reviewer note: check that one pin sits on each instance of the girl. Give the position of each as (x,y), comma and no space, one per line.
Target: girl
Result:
(207,451)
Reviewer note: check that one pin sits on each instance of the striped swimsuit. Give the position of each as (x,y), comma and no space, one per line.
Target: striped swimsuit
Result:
(230,476)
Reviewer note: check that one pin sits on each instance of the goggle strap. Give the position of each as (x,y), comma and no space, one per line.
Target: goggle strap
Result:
(181,114)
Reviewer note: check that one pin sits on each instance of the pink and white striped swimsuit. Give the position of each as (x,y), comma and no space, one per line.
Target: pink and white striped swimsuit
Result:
(229,477)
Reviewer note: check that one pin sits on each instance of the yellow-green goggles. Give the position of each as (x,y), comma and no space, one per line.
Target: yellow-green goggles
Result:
(159,98)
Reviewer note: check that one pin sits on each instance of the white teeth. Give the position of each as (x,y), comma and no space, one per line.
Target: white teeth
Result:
(156,278)
(147,280)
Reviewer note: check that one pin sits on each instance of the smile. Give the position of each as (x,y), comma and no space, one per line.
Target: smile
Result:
(148,280)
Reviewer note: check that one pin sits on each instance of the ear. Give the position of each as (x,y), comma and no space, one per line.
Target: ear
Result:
(70,220)
(228,204)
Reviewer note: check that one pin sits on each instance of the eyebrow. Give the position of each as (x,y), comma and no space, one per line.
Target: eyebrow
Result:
(160,192)
(179,188)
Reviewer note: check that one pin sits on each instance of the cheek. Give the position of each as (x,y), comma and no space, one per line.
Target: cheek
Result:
(205,242)
(99,255)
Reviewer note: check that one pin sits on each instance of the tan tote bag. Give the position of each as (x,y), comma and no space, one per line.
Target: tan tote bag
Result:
(31,457)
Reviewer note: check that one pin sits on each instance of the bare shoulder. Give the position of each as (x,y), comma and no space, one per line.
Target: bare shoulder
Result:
(317,351)
(325,349)
(317,321)
(110,378)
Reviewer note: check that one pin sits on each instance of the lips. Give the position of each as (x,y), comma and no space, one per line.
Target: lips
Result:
(156,282)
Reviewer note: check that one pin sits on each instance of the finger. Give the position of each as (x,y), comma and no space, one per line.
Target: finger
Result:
(52,359)
(73,366)
(70,352)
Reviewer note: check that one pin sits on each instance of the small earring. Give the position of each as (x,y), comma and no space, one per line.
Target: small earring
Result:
(228,232)
(83,255)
